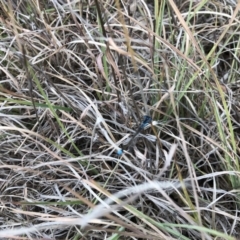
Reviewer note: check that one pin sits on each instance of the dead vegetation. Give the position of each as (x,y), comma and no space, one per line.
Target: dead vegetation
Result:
(76,79)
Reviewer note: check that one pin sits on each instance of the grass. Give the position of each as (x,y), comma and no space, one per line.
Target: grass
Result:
(76,79)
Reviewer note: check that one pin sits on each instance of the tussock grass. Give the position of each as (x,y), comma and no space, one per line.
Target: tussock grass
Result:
(76,79)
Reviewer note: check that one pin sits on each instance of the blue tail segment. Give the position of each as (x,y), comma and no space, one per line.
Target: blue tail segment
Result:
(119,152)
